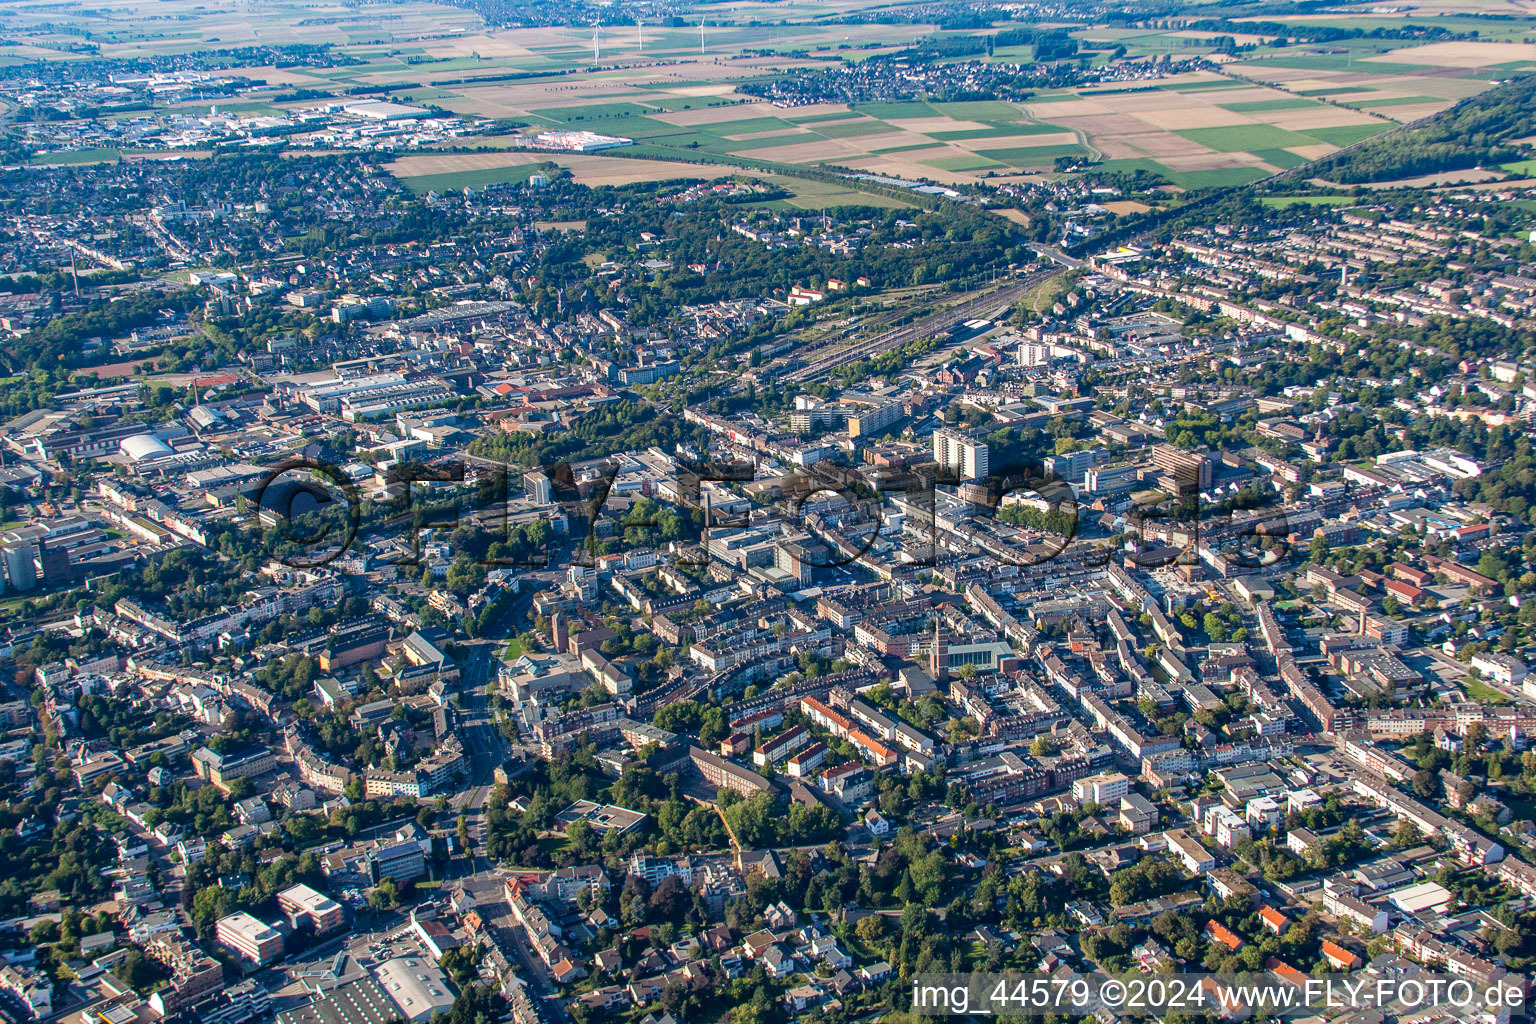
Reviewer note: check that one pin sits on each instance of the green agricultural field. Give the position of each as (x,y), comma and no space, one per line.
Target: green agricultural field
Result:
(1339,62)
(1391,101)
(813,120)
(1349,134)
(686,149)
(982,110)
(747,145)
(1019,140)
(1130,165)
(429,95)
(746,126)
(1196,86)
(964,163)
(1036,156)
(1281,158)
(1245,138)
(1145,43)
(672,103)
(669,149)
(1001,131)
(825,195)
(1264,106)
(897,110)
(1281,202)
(478,178)
(1342,90)
(1222,177)
(79,156)
(591,112)
(351,71)
(433,66)
(1510,28)
(639,128)
(851,129)
(990,132)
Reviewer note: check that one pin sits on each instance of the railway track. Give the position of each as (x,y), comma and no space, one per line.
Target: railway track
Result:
(978,305)
(839,340)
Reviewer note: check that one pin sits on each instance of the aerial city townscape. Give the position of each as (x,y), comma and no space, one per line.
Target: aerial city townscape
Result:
(672,513)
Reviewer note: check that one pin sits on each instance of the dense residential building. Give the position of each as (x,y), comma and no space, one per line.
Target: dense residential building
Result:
(618,593)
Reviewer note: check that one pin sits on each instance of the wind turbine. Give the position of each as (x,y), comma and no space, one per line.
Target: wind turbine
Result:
(597,31)
(639,35)
(701,35)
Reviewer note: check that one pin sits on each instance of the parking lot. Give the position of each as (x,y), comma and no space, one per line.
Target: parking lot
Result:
(317,968)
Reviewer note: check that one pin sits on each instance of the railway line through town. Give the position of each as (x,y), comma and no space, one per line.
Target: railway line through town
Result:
(986,304)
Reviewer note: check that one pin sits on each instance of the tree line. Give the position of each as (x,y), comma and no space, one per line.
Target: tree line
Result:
(1477,132)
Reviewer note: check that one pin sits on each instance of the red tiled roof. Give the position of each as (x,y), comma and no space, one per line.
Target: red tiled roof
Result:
(1338,954)
(1224,935)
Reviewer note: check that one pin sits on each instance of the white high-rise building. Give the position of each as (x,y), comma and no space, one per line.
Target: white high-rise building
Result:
(19,566)
(1034,354)
(965,455)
